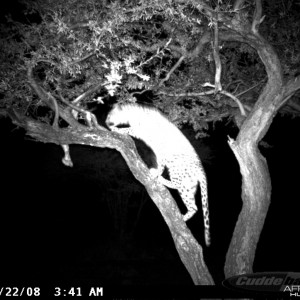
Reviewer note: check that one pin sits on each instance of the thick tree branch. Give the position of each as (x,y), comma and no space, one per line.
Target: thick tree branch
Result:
(188,248)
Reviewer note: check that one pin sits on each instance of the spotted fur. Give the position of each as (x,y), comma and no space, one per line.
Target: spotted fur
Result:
(172,150)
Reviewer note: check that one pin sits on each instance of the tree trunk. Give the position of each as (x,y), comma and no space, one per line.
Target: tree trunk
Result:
(256,194)
(256,182)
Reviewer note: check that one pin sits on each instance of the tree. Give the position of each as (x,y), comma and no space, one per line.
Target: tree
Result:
(62,58)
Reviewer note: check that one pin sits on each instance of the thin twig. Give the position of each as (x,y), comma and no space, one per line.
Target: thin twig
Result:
(172,70)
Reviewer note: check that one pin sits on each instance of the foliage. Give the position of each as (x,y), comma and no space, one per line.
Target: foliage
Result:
(129,48)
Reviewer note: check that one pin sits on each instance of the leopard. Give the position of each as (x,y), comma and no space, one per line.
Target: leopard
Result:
(173,152)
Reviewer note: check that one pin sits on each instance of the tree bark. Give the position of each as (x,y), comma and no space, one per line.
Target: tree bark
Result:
(256,194)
